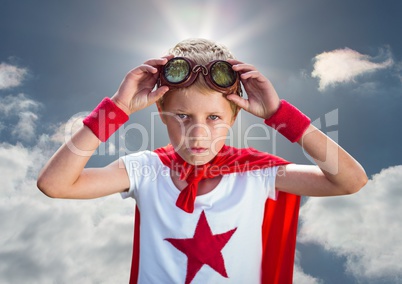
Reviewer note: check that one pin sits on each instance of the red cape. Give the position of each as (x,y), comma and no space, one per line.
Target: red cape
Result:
(279,227)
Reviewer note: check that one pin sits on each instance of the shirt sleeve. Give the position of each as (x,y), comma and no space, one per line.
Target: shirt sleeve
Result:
(130,192)
(269,175)
(134,164)
(142,169)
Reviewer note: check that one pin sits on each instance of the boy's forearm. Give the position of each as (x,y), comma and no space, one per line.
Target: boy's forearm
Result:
(339,167)
(65,166)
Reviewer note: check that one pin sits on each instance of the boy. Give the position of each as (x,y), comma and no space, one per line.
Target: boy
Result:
(203,215)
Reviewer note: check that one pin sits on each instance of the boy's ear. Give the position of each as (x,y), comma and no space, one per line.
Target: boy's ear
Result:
(160,110)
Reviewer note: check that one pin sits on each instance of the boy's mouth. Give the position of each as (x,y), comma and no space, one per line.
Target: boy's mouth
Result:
(198,150)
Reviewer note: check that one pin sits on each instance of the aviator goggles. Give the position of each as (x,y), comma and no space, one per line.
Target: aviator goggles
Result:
(181,72)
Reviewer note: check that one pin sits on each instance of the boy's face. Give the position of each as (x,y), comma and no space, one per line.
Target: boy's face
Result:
(197,123)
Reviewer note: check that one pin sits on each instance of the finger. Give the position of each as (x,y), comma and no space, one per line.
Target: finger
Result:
(234,61)
(243,103)
(168,56)
(157,61)
(252,75)
(242,67)
(144,68)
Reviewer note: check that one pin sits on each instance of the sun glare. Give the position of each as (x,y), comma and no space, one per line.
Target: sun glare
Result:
(190,19)
(208,19)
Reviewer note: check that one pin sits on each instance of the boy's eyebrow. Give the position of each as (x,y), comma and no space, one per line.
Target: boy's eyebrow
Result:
(180,110)
(216,112)
(209,112)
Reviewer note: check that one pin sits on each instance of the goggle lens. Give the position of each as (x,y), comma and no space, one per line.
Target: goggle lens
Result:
(176,71)
(222,74)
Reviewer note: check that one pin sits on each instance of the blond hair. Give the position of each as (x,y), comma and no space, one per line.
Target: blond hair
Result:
(202,51)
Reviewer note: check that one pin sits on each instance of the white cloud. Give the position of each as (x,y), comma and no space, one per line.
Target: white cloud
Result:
(65,130)
(366,228)
(25,128)
(344,65)
(24,109)
(14,104)
(13,167)
(46,240)
(11,76)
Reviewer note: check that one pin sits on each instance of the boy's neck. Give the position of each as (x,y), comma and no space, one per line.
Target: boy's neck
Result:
(204,186)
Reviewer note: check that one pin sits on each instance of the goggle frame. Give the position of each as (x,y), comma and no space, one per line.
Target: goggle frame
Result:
(192,75)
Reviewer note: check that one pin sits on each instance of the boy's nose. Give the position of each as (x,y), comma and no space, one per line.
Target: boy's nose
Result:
(197,131)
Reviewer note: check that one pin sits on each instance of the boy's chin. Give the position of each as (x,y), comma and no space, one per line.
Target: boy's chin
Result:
(198,160)
(197,157)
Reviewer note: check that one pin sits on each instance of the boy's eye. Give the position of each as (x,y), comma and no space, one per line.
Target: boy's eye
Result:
(182,115)
(213,117)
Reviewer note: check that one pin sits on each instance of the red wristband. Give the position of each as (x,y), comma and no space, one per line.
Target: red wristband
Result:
(289,121)
(105,119)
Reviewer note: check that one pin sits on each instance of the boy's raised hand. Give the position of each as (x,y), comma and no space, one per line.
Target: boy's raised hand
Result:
(136,91)
(262,101)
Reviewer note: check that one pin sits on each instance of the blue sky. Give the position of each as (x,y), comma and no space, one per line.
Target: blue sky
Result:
(339,61)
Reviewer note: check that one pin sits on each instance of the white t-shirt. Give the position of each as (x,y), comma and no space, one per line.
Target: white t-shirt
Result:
(228,219)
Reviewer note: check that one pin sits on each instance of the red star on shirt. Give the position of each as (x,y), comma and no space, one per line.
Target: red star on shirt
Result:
(203,248)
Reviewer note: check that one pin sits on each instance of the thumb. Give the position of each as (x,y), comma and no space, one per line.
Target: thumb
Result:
(240,102)
(157,94)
